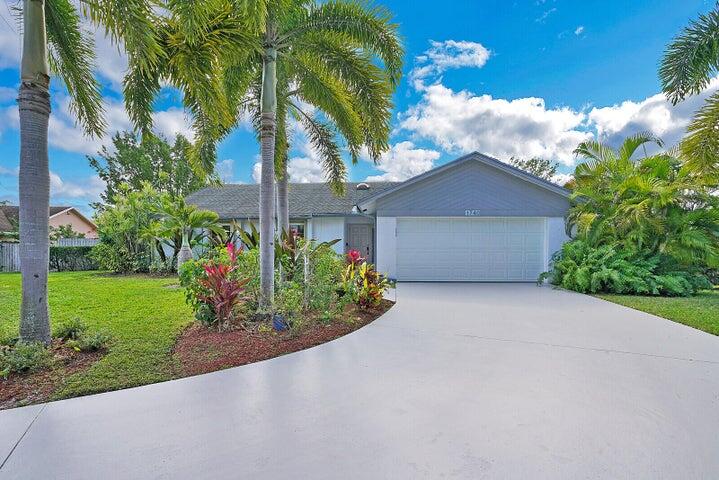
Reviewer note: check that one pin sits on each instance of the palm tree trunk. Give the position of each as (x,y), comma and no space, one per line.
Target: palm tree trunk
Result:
(267,180)
(283,205)
(34,181)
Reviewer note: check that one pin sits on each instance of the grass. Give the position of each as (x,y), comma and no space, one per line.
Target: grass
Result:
(700,311)
(144,315)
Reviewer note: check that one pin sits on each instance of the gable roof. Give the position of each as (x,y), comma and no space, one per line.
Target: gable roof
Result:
(5,225)
(238,201)
(474,156)
(12,214)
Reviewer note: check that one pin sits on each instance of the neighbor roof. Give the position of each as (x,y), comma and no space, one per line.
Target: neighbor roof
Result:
(5,225)
(11,214)
(233,201)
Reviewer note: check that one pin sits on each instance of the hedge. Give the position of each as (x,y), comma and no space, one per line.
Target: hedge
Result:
(71,259)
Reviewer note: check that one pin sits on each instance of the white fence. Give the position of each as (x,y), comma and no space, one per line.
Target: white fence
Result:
(77,242)
(10,252)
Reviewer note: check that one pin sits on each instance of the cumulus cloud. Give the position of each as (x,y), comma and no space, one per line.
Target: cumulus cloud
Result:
(10,41)
(579,30)
(225,169)
(7,94)
(446,55)
(654,114)
(8,172)
(88,189)
(299,169)
(404,161)
(461,122)
(66,135)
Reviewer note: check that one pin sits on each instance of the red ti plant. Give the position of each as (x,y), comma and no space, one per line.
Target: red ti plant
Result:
(354,257)
(223,293)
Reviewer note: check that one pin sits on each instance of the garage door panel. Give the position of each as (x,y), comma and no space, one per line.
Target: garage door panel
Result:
(470,249)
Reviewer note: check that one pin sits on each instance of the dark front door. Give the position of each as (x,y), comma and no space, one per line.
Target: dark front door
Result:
(360,237)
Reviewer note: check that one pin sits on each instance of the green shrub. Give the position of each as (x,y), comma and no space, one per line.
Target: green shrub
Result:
(117,259)
(90,342)
(71,329)
(324,279)
(290,298)
(606,269)
(23,357)
(72,259)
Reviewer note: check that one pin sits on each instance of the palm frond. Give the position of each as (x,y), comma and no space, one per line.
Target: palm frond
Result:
(691,59)
(72,57)
(701,145)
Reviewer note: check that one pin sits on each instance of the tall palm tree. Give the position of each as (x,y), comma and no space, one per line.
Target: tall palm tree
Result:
(161,44)
(331,67)
(54,42)
(688,65)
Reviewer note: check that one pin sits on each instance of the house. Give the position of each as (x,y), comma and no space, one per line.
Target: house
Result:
(473,219)
(59,216)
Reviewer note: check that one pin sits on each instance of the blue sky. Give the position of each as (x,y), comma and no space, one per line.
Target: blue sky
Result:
(524,78)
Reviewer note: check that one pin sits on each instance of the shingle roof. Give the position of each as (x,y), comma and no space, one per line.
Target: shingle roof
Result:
(11,215)
(234,201)
(5,225)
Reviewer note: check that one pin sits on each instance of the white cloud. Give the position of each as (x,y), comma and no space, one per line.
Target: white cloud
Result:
(8,172)
(461,122)
(654,114)
(88,189)
(10,41)
(543,17)
(225,169)
(562,178)
(443,56)
(299,169)
(7,94)
(579,30)
(65,134)
(404,161)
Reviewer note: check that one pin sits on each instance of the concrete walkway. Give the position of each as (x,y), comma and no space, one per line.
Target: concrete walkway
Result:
(457,381)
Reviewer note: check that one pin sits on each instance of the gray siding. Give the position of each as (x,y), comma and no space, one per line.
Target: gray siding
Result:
(473,186)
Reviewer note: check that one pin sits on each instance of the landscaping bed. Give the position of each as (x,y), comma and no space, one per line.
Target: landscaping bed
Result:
(39,386)
(201,349)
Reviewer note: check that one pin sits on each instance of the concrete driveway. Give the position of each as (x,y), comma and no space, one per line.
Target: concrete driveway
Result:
(456,381)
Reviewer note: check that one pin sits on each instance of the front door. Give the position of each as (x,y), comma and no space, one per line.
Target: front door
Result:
(360,238)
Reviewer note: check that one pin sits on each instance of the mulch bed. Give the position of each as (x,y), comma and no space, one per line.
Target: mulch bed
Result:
(35,387)
(201,349)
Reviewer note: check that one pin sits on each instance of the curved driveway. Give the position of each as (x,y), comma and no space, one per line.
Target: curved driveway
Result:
(456,381)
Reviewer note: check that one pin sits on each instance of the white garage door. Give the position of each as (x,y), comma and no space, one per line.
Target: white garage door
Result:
(503,249)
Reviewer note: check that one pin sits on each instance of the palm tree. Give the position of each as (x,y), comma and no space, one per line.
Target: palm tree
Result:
(54,41)
(688,65)
(655,204)
(332,68)
(181,225)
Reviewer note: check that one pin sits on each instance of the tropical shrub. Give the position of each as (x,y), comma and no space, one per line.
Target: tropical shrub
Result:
(212,288)
(23,357)
(361,282)
(641,226)
(587,269)
(324,277)
(71,259)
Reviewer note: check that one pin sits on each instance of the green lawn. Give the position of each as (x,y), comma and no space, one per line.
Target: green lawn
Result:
(144,315)
(700,311)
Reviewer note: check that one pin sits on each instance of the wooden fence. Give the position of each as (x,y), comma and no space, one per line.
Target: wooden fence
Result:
(10,252)
(9,257)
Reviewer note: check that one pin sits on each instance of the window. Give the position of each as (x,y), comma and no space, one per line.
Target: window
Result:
(298,229)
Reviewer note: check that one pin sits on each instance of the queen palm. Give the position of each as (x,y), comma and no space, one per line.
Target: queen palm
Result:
(331,68)
(54,41)
(688,65)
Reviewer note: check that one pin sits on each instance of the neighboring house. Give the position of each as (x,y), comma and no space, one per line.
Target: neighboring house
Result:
(473,219)
(59,216)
